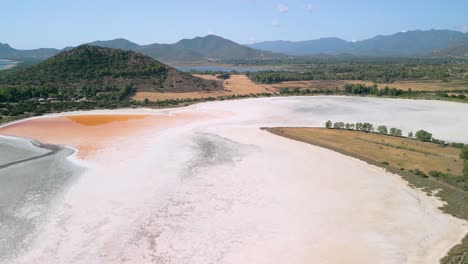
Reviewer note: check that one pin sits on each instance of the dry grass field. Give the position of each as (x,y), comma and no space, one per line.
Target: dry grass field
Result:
(242,85)
(317,84)
(399,153)
(236,84)
(430,85)
(415,85)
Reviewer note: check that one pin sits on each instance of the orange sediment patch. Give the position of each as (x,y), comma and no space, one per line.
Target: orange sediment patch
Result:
(91,133)
(96,120)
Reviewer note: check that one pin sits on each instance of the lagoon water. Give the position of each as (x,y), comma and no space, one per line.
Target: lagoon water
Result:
(224,69)
(4,64)
(30,180)
(203,184)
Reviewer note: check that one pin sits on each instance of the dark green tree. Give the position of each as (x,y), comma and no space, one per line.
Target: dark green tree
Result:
(382,129)
(423,135)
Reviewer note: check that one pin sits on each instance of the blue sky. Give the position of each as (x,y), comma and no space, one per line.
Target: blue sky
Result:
(53,23)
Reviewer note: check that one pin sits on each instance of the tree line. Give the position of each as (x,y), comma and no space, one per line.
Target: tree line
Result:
(421,135)
(380,70)
(373,90)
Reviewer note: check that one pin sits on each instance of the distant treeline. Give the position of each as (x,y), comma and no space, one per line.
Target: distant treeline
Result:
(380,70)
(363,89)
(342,60)
(269,77)
(19,93)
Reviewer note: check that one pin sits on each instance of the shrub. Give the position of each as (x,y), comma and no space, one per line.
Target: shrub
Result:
(339,125)
(434,173)
(464,153)
(382,129)
(420,173)
(423,135)
(457,145)
(395,132)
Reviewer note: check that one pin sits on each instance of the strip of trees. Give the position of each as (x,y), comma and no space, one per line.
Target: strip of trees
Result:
(420,135)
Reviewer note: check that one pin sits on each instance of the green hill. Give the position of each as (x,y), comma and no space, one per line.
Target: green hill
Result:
(105,67)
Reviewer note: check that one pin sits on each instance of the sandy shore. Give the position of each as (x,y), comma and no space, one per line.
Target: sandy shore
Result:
(205,185)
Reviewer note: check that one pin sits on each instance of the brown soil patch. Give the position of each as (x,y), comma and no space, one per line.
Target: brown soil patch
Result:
(236,84)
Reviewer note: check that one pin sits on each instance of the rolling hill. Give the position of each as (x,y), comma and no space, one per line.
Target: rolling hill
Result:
(106,67)
(197,49)
(410,43)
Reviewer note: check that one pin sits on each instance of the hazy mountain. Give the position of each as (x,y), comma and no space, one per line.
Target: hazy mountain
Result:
(7,52)
(170,52)
(197,49)
(214,47)
(456,51)
(318,46)
(119,43)
(91,65)
(408,43)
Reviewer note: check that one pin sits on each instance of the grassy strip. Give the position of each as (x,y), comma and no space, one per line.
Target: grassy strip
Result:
(397,146)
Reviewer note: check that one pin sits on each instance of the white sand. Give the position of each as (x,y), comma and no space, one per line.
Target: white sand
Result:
(223,191)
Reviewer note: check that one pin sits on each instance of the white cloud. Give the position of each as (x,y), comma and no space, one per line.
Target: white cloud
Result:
(308,7)
(282,8)
(275,23)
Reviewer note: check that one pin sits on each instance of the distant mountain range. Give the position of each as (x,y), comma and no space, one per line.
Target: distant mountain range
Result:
(208,48)
(92,66)
(409,43)
(213,48)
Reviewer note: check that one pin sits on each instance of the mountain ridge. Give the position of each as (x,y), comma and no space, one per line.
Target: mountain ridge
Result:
(409,43)
(215,48)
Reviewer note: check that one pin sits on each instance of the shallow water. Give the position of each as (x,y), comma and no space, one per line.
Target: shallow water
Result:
(225,69)
(28,189)
(4,64)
